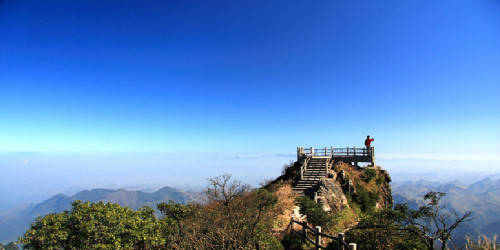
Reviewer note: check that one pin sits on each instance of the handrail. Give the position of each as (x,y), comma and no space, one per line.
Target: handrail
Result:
(341,243)
(336,152)
(303,167)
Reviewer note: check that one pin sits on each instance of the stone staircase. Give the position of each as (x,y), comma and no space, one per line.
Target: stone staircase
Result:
(315,169)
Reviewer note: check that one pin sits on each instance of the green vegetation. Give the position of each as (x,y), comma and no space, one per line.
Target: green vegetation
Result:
(290,171)
(431,222)
(342,220)
(314,211)
(369,174)
(366,199)
(95,226)
(293,241)
(233,218)
(237,217)
(404,228)
(381,231)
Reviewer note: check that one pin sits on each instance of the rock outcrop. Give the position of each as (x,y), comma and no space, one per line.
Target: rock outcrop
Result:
(332,195)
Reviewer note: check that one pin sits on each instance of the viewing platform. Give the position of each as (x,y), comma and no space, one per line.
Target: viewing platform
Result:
(316,163)
(354,154)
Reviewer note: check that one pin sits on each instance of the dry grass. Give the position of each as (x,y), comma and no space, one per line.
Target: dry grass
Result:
(483,243)
(357,175)
(343,220)
(285,205)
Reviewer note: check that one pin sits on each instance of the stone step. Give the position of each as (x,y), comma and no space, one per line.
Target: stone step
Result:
(305,184)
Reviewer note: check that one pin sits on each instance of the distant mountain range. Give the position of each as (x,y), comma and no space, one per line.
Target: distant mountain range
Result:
(17,221)
(482,198)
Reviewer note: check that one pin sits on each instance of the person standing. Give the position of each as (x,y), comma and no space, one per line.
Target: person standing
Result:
(368,143)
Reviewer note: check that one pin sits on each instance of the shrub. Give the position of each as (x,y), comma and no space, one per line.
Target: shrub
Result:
(379,231)
(379,180)
(343,220)
(291,170)
(293,241)
(366,199)
(369,174)
(314,211)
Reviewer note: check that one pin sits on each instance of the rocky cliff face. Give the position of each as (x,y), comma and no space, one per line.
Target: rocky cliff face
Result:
(347,185)
(347,191)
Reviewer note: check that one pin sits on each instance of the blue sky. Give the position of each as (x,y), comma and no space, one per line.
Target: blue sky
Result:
(235,78)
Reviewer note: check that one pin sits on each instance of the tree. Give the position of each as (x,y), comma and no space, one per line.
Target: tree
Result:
(92,226)
(381,231)
(431,221)
(223,189)
(403,228)
(234,218)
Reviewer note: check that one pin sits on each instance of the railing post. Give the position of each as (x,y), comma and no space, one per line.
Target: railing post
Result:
(347,151)
(318,238)
(326,167)
(312,151)
(331,150)
(340,239)
(352,246)
(372,155)
(354,148)
(325,152)
(304,233)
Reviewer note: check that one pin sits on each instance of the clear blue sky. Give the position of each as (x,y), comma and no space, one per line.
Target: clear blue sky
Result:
(248,77)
